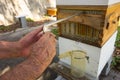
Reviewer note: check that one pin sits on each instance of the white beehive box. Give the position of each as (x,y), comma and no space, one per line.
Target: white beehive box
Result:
(98,55)
(86,2)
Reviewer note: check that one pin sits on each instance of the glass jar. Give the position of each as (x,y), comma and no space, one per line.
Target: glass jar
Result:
(78,63)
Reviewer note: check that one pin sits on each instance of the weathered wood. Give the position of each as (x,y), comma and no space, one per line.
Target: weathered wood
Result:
(112,14)
(85,19)
(102,18)
(83,7)
(65,71)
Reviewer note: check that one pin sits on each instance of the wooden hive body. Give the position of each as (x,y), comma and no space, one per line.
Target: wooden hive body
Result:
(94,26)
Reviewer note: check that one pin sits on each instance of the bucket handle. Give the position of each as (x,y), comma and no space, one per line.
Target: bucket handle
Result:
(87,57)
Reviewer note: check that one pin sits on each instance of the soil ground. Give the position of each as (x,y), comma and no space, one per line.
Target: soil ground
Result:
(16,25)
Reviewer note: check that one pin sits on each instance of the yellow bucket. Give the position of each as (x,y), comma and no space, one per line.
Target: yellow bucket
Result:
(52,11)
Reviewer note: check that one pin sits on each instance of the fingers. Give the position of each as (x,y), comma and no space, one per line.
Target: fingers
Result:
(51,47)
(36,32)
(46,41)
(50,44)
(52,40)
(39,30)
(52,35)
(44,38)
(45,48)
(39,35)
(32,36)
(41,42)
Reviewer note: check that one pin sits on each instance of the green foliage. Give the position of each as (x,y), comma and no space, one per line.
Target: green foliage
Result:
(29,20)
(116,59)
(55,31)
(117,43)
(116,62)
(4,28)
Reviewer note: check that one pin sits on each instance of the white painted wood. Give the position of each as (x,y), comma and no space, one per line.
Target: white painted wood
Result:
(113,1)
(51,3)
(93,52)
(82,2)
(86,2)
(98,57)
(106,52)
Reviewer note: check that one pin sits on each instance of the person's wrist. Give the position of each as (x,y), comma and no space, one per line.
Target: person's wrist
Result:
(24,51)
(18,46)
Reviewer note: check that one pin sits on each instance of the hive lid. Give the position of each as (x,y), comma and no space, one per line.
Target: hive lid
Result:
(86,2)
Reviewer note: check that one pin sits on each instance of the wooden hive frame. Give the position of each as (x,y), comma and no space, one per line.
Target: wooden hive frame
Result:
(101,20)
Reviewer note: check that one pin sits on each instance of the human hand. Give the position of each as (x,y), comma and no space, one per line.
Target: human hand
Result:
(22,47)
(42,53)
(28,40)
(45,48)
(31,37)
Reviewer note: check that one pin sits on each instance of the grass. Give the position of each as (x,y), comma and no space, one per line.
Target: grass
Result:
(29,20)
(116,63)
(117,43)
(4,28)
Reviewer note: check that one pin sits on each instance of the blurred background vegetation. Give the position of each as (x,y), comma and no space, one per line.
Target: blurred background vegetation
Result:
(117,43)
(116,55)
